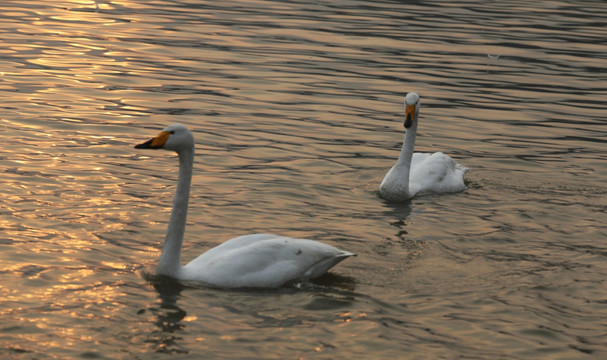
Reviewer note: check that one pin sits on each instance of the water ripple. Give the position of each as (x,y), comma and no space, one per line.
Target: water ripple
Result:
(296,107)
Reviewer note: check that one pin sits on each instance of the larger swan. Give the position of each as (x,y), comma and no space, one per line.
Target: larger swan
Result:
(419,173)
(256,260)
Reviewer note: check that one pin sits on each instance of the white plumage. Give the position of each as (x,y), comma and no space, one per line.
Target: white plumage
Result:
(420,173)
(255,260)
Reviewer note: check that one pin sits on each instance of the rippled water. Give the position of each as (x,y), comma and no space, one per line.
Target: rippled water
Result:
(297,112)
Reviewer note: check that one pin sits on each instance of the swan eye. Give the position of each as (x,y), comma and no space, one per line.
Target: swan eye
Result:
(172,132)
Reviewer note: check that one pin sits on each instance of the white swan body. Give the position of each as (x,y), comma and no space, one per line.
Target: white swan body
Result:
(256,260)
(420,173)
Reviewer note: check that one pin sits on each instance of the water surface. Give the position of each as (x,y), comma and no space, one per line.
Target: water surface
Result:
(297,112)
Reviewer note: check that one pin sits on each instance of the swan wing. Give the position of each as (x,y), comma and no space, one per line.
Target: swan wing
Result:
(436,173)
(237,243)
(262,260)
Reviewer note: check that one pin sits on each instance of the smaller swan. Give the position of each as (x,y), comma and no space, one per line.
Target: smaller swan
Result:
(420,173)
(255,260)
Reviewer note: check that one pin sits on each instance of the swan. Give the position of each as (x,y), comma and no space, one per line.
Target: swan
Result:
(420,173)
(255,260)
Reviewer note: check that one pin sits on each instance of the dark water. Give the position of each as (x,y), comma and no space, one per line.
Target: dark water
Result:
(297,108)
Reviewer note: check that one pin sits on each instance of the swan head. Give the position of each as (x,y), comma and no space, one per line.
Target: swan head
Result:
(411,109)
(174,137)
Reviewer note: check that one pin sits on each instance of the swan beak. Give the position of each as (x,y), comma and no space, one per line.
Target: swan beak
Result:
(155,143)
(409,115)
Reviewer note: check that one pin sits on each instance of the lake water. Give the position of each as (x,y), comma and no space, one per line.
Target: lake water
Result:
(296,107)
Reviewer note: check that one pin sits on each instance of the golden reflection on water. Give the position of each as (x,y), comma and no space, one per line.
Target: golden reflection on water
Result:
(296,122)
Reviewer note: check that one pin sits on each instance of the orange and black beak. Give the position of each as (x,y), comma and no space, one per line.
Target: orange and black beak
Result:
(409,115)
(155,143)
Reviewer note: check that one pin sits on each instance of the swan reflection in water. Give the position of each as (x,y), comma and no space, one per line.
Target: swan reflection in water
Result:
(168,316)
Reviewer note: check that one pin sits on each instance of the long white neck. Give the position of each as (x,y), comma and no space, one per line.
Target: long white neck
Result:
(406,153)
(170,259)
